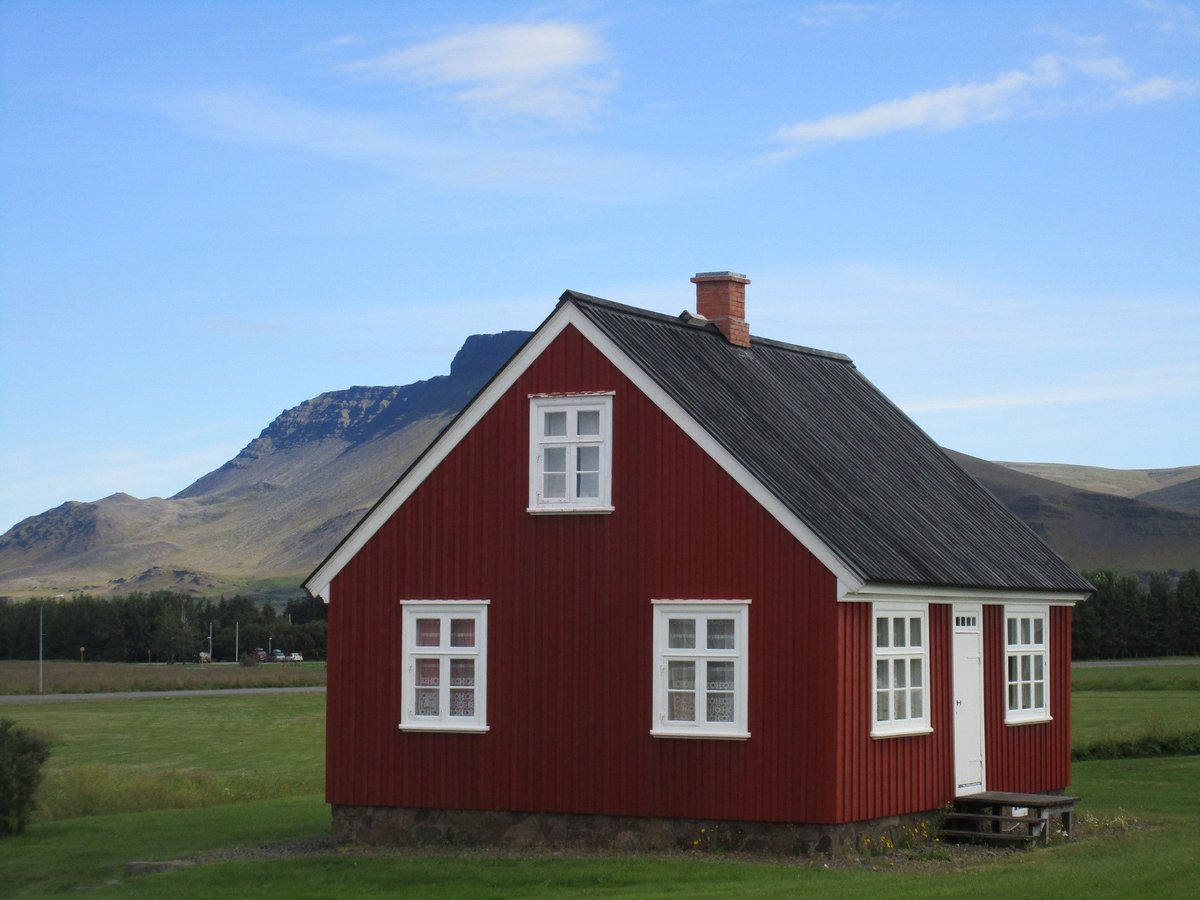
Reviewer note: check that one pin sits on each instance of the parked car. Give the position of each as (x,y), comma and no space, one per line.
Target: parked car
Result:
(260,654)
(278,656)
(295,656)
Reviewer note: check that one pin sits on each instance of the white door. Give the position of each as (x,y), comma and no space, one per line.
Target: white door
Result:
(968,699)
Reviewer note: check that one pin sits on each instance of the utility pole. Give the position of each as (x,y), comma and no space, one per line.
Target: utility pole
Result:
(210,640)
(237,656)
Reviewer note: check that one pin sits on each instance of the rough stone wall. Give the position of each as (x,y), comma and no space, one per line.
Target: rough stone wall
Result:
(396,827)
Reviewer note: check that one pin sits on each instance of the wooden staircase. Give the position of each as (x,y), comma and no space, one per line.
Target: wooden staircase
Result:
(1007,819)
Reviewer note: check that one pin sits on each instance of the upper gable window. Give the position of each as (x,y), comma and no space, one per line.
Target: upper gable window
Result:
(1027,659)
(570,453)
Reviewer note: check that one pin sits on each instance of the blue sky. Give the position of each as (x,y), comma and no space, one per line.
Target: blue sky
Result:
(212,211)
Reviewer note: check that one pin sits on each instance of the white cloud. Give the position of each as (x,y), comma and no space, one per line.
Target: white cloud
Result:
(254,116)
(1152,90)
(1172,18)
(821,15)
(1049,84)
(545,70)
(1095,387)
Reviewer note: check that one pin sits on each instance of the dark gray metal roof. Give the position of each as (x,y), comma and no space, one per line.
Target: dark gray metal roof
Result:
(839,455)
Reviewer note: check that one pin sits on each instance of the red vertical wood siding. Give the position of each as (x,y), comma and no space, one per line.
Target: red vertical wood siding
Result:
(888,776)
(570,642)
(1037,756)
(570,630)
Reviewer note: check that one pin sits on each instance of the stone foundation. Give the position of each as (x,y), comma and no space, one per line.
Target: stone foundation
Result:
(449,828)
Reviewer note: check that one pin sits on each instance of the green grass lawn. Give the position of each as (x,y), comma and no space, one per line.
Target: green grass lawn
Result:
(22,676)
(160,753)
(1117,715)
(204,774)
(1136,678)
(1155,856)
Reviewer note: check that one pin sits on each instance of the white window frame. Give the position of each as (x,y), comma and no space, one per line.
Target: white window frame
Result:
(903,661)
(701,612)
(572,405)
(1023,653)
(445,652)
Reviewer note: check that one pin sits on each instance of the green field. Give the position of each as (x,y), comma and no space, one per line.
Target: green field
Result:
(72,677)
(166,752)
(219,775)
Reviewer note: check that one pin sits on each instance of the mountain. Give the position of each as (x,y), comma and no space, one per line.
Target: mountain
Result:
(1093,528)
(1177,488)
(263,520)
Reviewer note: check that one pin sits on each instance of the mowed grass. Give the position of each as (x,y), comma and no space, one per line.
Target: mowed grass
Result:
(1140,821)
(1185,677)
(165,752)
(1125,703)
(1142,843)
(73,677)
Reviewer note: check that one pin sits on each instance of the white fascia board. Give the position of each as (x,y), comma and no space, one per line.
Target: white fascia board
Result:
(721,456)
(902,593)
(319,582)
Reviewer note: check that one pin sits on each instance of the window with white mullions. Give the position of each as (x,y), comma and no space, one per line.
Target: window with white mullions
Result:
(700,669)
(571,453)
(444,669)
(1027,664)
(901,663)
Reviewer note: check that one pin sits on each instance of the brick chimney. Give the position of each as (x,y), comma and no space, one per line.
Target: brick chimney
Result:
(721,298)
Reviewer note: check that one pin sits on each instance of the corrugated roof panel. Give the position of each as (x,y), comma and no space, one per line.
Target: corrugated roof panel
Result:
(839,455)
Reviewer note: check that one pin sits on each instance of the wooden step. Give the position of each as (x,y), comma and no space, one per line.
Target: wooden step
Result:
(990,806)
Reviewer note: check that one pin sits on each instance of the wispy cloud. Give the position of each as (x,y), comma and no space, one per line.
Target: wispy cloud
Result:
(547,70)
(1152,90)
(1049,84)
(1095,387)
(411,149)
(1172,18)
(822,15)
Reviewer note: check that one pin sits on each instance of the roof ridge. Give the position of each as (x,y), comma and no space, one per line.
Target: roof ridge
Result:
(588,299)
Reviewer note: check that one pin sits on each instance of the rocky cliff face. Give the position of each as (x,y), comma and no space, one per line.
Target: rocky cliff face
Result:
(269,514)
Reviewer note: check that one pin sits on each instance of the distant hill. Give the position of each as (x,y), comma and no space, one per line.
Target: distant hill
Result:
(263,520)
(1175,488)
(1090,528)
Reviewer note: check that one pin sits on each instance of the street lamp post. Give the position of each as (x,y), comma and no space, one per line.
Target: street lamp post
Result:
(41,647)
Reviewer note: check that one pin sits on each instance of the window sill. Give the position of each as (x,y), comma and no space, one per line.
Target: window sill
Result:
(570,510)
(452,729)
(701,735)
(897,732)
(1032,720)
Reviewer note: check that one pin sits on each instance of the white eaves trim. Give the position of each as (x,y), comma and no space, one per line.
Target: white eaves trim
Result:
(568,314)
(905,593)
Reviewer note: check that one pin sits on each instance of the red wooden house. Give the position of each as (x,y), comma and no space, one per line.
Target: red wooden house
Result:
(660,573)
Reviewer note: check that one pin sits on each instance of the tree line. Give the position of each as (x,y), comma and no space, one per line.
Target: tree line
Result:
(1127,617)
(162,626)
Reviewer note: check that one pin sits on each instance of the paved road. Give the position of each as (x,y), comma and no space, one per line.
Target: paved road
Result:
(152,695)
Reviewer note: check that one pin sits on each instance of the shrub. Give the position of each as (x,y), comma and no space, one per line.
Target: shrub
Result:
(1184,744)
(22,753)
(248,659)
